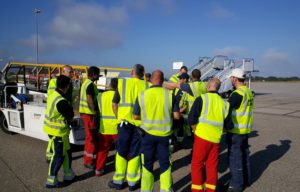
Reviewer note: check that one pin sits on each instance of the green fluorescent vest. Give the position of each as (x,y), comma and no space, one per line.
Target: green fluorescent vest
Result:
(83,105)
(51,87)
(108,121)
(197,88)
(129,89)
(54,122)
(156,110)
(174,78)
(211,120)
(242,117)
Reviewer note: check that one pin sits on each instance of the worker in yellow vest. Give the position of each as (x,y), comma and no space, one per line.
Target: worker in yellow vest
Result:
(182,96)
(107,127)
(67,70)
(241,104)
(156,107)
(127,163)
(58,115)
(88,108)
(175,77)
(207,117)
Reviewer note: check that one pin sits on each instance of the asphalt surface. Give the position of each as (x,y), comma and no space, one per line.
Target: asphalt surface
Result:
(275,157)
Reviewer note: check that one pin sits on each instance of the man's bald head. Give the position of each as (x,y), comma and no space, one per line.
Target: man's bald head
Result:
(213,84)
(67,70)
(157,77)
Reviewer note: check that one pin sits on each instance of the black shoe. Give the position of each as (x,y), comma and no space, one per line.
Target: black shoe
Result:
(71,181)
(89,166)
(112,185)
(231,189)
(57,185)
(133,188)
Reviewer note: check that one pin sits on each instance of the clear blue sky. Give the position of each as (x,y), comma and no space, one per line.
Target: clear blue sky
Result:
(154,33)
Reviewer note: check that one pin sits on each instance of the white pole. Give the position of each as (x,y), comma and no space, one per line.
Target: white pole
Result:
(37,11)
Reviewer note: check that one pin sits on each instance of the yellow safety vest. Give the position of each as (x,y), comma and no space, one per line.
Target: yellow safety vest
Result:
(174,78)
(83,105)
(51,86)
(54,123)
(156,111)
(108,120)
(242,117)
(183,100)
(211,120)
(197,88)
(129,89)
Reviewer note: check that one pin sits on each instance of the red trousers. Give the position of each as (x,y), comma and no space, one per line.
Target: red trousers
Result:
(103,149)
(91,139)
(205,153)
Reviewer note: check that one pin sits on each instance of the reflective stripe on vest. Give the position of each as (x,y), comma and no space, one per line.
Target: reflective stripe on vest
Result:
(198,88)
(123,103)
(211,120)
(242,117)
(54,122)
(108,121)
(129,89)
(83,105)
(157,127)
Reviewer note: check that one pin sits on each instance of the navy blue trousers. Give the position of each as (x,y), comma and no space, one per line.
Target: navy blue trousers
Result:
(154,147)
(238,156)
(58,156)
(129,141)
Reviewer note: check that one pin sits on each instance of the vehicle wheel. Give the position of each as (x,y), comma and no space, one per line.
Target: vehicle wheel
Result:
(3,124)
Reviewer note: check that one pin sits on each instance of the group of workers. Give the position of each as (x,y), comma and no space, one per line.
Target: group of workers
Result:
(141,117)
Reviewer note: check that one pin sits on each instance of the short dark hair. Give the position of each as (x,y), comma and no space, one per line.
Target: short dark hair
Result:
(93,70)
(114,83)
(62,82)
(184,67)
(139,70)
(196,73)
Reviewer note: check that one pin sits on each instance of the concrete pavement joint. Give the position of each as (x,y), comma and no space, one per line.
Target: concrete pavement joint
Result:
(15,174)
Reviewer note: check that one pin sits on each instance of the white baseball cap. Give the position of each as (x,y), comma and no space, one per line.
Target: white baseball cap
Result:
(238,73)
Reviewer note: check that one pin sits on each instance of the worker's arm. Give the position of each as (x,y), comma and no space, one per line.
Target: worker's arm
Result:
(115,102)
(194,114)
(90,96)
(175,107)
(65,109)
(170,85)
(90,101)
(137,110)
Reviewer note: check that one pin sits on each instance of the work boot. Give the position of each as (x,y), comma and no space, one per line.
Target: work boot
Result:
(52,182)
(69,176)
(231,189)
(99,173)
(89,166)
(135,187)
(112,185)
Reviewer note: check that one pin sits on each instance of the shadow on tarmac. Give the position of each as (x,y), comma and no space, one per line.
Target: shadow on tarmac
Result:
(259,161)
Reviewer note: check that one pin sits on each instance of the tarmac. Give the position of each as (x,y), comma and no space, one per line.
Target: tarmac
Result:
(275,157)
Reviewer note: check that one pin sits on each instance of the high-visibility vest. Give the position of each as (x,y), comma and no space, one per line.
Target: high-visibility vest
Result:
(197,88)
(83,105)
(211,120)
(129,89)
(183,100)
(51,86)
(108,120)
(54,123)
(242,117)
(156,111)
(174,78)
